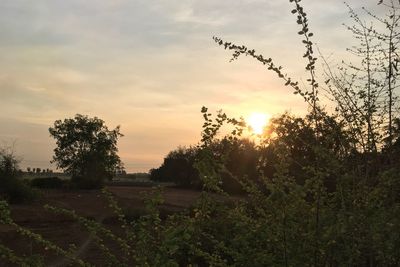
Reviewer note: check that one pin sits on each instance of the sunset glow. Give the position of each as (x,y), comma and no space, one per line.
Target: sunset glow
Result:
(149,66)
(257,122)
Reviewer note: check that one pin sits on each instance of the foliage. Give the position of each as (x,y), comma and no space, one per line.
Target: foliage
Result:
(47,182)
(178,168)
(179,165)
(314,196)
(364,90)
(86,149)
(12,188)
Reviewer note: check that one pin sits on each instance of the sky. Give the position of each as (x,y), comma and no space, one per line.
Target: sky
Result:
(149,66)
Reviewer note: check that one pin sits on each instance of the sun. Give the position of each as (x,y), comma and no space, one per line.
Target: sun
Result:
(257,122)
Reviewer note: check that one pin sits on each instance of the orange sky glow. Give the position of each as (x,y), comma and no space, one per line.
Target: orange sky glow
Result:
(149,66)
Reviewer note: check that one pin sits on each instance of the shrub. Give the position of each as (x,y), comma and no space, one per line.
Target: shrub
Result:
(179,165)
(48,182)
(178,168)
(316,205)
(87,182)
(12,188)
(16,191)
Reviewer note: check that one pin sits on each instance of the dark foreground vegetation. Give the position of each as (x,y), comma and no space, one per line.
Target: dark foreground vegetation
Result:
(321,190)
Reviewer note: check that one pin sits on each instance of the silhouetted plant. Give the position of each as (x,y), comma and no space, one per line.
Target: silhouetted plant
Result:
(48,182)
(364,92)
(86,149)
(309,200)
(178,168)
(12,188)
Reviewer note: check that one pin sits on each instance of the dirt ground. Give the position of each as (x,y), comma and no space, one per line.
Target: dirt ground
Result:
(64,231)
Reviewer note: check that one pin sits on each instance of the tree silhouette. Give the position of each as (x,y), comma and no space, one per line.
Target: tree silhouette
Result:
(86,149)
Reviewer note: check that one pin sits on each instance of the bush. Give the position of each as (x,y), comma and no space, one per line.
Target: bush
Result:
(48,182)
(319,202)
(12,188)
(179,165)
(178,168)
(16,191)
(87,182)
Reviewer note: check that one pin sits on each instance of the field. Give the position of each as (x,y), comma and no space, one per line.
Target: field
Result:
(64,231)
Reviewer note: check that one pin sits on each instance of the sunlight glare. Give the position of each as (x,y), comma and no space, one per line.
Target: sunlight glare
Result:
(257,122)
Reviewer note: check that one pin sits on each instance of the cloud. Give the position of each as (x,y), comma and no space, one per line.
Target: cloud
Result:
(150,65)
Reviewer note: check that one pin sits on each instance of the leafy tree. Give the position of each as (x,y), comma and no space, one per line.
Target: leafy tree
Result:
(241,158)
(364,89)
(178,168)
(316,205)
(86,149)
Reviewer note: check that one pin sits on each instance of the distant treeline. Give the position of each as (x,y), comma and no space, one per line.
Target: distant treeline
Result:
(179,165)
(38,170)
(241,157)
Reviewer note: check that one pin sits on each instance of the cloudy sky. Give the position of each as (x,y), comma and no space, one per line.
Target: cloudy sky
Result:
(149,66)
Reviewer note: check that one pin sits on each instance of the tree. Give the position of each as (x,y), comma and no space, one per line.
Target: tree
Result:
(179,165)
(364,89)
(178,168)
(86,149)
